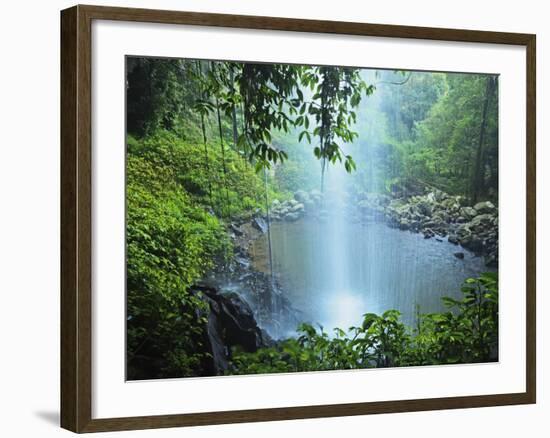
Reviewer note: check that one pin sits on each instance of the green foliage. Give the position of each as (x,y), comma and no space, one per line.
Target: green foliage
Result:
(337,91)
(300,171)
(467,333)
(442,149)
(200,133)
(424,131)
(470,333)
(155,97)
(174,236)
(271,97)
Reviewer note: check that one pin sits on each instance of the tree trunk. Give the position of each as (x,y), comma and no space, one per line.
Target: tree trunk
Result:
(233,111)
(204,139)
(477,178)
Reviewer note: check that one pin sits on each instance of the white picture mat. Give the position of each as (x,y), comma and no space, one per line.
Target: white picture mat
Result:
(113,397)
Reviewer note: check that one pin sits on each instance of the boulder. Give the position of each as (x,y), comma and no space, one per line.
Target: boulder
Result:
(292,216)
(428,233)
(452,239)
(230,322)
(481,222)
(424,208)
(404,224)
(238,321)
(441,217)
(451,204)
(459,255)
(485,207)
(468,212)
(260,224)
(301,196)
(473,243)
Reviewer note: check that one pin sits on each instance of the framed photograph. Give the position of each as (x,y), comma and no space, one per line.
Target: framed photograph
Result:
(269,219)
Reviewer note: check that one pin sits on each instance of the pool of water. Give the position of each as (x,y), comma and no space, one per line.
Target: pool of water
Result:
(334,271)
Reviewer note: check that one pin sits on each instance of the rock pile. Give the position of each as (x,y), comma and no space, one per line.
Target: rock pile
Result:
(438,214)
(293,209)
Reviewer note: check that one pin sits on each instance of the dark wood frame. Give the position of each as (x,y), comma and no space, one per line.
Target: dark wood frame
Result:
(76,218)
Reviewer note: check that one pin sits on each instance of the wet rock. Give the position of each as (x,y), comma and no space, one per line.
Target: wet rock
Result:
(404,224)
(451,204)
(242,261)
(301,196)
(292,202)
(481,222)
(430,224)
(428,233)
(283,212)
(459,255)
(485,207)
(298,208)
(463,232)
(260,224)
(239,323)
(441,217)
(214,343)
(452,239)
(468,212)
(230,323)
(473,243)
(236,230)
(425,208)
(292,216)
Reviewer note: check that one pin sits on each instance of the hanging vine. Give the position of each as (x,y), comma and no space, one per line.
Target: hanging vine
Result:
(204,111)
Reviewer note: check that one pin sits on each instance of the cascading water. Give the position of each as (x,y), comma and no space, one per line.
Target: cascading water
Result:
(334,264)
(335,273)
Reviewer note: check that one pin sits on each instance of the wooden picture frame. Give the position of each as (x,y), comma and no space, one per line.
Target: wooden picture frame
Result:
(76,218)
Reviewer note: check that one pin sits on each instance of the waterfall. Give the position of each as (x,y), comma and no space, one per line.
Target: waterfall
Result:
(341,301)
(272,291)
(266,192)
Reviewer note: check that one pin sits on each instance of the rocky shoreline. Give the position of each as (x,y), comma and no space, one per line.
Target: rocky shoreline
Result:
(435,214)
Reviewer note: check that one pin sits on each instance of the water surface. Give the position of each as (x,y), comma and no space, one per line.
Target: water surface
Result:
(335,272)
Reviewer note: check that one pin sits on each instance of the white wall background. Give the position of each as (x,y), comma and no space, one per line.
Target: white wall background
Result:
(29,218)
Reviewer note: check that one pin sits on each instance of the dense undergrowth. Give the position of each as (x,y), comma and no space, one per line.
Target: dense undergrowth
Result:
(177,216)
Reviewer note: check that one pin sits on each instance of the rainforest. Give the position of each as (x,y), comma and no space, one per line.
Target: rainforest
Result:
(289,218)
